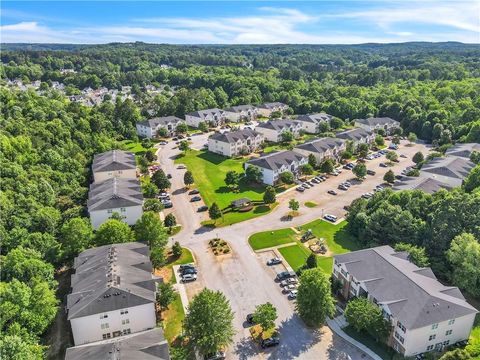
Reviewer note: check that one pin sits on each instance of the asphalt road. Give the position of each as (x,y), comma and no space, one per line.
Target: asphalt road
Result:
(243,276)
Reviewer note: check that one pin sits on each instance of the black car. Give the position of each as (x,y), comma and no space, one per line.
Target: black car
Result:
(202,208)
(250,319)
(186,266)
(371,172)
(194,192)
(285,275)
(189,270)
(219,355)
(195,198)
(332,192)
(169,176)
(398,177)
(273,341)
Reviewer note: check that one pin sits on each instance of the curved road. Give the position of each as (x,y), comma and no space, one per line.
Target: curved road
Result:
(243,277)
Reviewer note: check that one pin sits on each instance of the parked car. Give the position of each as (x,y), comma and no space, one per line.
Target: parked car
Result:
(163,142)
(383,165)
(393,147)
(293,294)
(367,195)
(219,355)
(180,167)
(195,198)
(319,178)
(273,341)
(323,177)
(315,181)
(174,138)
(169,176)
(289,281)
(300,188)
(181,136)
(194,192)
(189,277)
(335,173)
(167,204)
(285,275)
(163,195)
(342,187)
(331,218)
(274,261)
(403,156)
(332,192)
(289,287)
(371,172)
(188,271)
(398,177)
(306,186)
(202,208)
(369,157)
(186,266)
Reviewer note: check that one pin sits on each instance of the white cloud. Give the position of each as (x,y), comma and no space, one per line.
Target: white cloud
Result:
(396,23)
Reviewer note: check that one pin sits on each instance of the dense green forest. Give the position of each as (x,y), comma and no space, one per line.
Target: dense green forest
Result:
(47,142)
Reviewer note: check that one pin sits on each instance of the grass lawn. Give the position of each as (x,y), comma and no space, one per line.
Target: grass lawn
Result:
(174,230)
(268,239)
(380,349)
(295,255)
(132,146)
(311,204)
(173,318)
(235,217)
(185,258)
(325,263)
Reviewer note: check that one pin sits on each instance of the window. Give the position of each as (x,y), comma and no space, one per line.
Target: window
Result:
(105,326)
(122,312)
(399,337)
(122,209)
(109,211)
(448,332)
(104,316)
(120,171)
(445,343)
(432,337)
(400,325)
(125,321)
(126,331)
(434,326)
(429,347)
(106,336)
(451,322)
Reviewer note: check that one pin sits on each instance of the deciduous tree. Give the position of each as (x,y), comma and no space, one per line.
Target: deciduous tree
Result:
(269,196)
(149,228)
(265,315)
(113,231)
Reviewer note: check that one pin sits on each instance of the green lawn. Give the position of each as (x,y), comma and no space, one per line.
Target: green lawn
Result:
(380,349)
(268,239)
(235,217)
(311,204)
(173,319)
(132,146)
(295,255)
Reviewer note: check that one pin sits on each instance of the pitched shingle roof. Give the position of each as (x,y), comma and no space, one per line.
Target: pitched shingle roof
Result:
(113,160)
(111,277)
(277,125)
(234,136)
(114,193)
(426,184)
(354,134)
(240,108)
(202,114)
(276,160)
(271,105)
(321,145)
(413,295)
(163,121)
(463,150)
(146,345)
(315,118)
(374,121)
(450,166)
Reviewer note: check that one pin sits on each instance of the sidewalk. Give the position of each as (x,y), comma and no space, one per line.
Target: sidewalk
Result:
(180,287)
(336,326)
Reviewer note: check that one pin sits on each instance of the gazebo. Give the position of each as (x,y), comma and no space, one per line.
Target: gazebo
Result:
(241,203)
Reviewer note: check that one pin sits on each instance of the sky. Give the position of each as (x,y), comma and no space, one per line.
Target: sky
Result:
(239,22)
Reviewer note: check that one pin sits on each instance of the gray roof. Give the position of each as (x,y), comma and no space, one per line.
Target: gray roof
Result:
(321,145)
(234,136)
(202,114)
(374,121)
(354,134)
(275,160)
(463,150)
(113,160)
(315,118)
(146,345)
(277,125)
(241,202)
(426,184)
(448,167)
(240,108)
(114,193)
(162,121)
(414,296)
(111,277)
(272,105)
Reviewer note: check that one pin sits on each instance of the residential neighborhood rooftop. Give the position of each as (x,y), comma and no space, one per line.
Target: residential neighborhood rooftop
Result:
(413,295)
(114,193)
(152,123)
(463,150)
(202,114)
(426,184)
(240,108)
(146,345)
(321,145)
(275,160)
(113,160)
(448,167)
(111,277)
(272,105)
(373,121)
(315,118)
(353,134)
(277,125)
(234,136)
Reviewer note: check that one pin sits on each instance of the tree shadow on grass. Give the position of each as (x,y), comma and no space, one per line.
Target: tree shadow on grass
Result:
(261,209)
(211,157)
(346,240)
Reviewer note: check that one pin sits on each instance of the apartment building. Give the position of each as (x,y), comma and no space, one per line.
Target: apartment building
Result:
(114,163)
(148,128)
(324,148)
(376,123)
(209,116)
(311,123)
(235,143)
(272,130)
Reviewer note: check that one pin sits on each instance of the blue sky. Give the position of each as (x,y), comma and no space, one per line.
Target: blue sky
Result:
(240,22)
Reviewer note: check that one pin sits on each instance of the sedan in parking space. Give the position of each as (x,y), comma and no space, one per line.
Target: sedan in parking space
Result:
(219,355)
(315,181)
(273,341)
(371,172)
(202,208)
(189,277)
(383,165)
(403,156)
(319,178)
(188,271)
(169,176)
(285,275)
(167,204)
(331,218)
(186,266)
(250,319)
(195,198)
(342,187)
(367,195)
(293,294)
(163,142)
(332,192)
(335,173)
(194,192)
(306,186)
(300,188)
(181,167)
(398,177)
(274,261)
(288,288)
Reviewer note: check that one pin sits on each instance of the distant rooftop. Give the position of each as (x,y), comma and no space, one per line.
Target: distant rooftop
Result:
(277,125)
(463,150)
(202,114)
(272,105)
(146,345)
(413,295)
(321,145)
(276,160)
(354,134)
(113,160)
(234,136)
(315,118)
(114,193)
(374,121)
(163,121)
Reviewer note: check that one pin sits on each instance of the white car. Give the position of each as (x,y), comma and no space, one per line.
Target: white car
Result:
(293,294)
(189,277)
(331,218)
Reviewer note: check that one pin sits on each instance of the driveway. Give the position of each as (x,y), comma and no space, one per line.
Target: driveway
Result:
(244,279)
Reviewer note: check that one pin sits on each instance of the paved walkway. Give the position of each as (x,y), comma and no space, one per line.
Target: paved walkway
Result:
(336,326)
